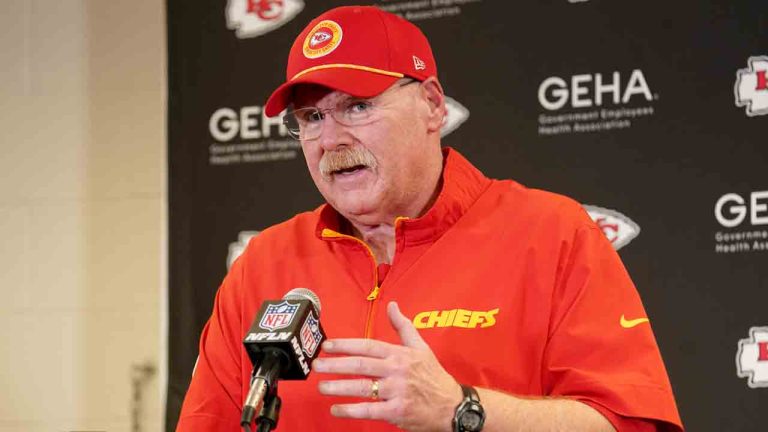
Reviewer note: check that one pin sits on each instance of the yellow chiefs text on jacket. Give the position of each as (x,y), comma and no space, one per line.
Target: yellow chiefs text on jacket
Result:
(455,318)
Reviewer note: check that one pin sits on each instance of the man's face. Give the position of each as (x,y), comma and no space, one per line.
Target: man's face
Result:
(369,172)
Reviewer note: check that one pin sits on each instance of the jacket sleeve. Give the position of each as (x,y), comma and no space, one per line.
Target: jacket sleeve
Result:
(601,349)
(213,400)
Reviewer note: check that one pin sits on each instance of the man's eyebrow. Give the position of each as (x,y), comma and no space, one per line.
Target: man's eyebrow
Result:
(348,98)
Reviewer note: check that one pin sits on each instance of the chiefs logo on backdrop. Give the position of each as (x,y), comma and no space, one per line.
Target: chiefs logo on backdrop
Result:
(751,88)
(752,357)
(251,18)
(456,114)
(236,248)
(619,229)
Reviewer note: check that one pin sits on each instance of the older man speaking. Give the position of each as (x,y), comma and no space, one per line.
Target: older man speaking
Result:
(454,302)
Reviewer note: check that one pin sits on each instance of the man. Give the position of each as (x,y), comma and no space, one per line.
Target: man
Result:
(439,286)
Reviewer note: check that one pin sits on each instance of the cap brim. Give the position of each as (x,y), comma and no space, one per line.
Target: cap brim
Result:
(358,83)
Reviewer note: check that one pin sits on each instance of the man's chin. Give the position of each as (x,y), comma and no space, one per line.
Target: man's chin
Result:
(358,206)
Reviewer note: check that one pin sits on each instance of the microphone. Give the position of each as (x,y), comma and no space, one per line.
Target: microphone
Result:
(282,343)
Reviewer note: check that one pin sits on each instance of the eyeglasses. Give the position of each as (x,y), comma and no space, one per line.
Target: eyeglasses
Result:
(306,124)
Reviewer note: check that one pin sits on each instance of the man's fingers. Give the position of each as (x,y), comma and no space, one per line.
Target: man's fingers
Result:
(352,366)
(409,336)
(361,347)
(357,387)
(366,410)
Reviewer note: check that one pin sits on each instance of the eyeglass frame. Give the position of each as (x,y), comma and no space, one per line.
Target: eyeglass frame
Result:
(295,131)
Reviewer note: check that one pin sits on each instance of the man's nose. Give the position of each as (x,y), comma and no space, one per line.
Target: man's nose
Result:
(333,134)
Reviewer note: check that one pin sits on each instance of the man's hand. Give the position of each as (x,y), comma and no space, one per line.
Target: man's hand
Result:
(415,392)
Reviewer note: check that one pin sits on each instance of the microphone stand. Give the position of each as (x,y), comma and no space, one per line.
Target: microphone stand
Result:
(263,394)
(270,411)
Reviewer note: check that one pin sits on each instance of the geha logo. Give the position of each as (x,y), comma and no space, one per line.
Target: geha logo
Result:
(248,123)
(732,209)
(456,114)
(584,91)
(251,18)
(594,103)
(752,358)
(247,135)
(751,88)
(619,229)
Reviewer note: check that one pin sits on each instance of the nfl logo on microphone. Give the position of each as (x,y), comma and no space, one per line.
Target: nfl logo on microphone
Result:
(310,335)
(278,316)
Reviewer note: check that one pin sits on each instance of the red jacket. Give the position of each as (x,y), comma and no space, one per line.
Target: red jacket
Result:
(514,289)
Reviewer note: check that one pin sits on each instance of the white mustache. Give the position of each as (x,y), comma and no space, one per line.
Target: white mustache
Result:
(348,157)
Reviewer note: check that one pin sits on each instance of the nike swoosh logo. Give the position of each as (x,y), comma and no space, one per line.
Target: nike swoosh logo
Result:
(632,323)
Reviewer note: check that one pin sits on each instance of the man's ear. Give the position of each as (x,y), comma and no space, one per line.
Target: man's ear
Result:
(435,98)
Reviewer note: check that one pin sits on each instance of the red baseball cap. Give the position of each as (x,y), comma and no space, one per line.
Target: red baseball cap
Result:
(359,50)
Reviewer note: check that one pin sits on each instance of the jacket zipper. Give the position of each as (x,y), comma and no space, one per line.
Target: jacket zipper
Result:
(372,297)
(374,294)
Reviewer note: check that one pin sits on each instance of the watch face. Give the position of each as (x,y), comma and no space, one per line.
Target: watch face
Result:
(471,421)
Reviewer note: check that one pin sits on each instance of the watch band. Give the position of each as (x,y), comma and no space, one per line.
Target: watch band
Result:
(470,393)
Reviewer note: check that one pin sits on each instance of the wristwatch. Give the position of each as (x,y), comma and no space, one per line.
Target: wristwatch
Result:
(470,415)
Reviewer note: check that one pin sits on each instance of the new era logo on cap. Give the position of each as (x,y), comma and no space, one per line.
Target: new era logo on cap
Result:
(418,63)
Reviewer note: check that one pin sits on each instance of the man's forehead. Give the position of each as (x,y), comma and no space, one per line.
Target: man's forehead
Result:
(315,95)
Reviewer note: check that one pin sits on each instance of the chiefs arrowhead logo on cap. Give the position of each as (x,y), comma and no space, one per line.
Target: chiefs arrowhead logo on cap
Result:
(322,39)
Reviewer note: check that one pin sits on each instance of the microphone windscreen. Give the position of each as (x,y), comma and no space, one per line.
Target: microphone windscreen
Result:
(304,294)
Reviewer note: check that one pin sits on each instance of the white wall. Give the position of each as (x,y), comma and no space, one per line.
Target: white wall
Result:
(82,211)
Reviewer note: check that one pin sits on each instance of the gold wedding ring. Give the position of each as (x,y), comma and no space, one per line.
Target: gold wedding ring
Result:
(375,389)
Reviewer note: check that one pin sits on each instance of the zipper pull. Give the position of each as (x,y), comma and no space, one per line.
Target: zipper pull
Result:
(374,294)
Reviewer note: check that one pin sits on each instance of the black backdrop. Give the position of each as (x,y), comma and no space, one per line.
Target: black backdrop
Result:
(654,112)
